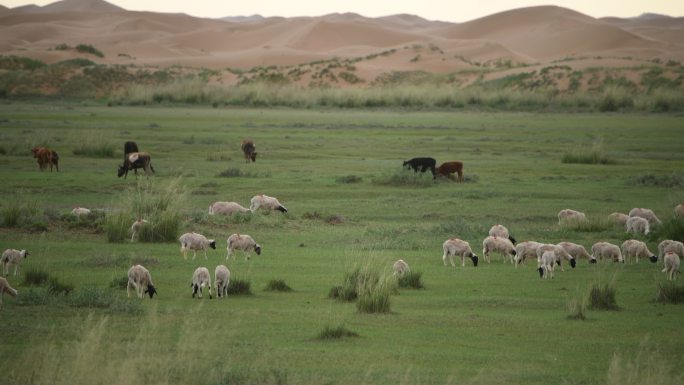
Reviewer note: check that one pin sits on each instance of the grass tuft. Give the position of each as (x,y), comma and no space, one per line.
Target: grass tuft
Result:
(411,280)
(34,276)
(594,155)
(405,177)
(577,309)
(239,286)
(277,285)
(670,292)
(603,297)
(335,333)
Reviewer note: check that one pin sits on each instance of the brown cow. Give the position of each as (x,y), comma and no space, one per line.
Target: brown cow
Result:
(448,168)
(249,150)
(46,157)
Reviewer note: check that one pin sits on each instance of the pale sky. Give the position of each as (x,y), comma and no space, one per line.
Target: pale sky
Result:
(445,10)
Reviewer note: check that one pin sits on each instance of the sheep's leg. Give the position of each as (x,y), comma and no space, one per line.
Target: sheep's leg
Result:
(205,254)
(128,290)
(194,254)
(16,267)
(444,259)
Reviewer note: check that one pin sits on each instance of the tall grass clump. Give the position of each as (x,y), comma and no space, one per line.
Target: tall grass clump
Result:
(405,177)
(672,228)
(577,309)
(94,145)
(374,296)
(602,296)
(277,285)
(670,292)
(239,286)
(18,211)
(337,332)
(648,366)
(117,227)
(594,155)
(411,280)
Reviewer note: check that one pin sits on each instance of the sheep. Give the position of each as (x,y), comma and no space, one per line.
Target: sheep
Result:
(12,257)
(670,245)
(608,250)
(455,246)
(80,211)
(6,288)
(501,232)
(577,251)
(559,255)
(136,227)
(200,279)
(139,278)
(400,267)
(567,215)
(227,208)
(619,219)
(647,214)
(241,242)
(266,202)
(679,210)
(221,280)
(500,245)
(637,225)
(671,261)
(524,250)
(547,260)
(632,247)
(194,242)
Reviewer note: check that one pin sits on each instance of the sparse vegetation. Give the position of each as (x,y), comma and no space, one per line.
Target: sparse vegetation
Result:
(602,297)
(277,285)
(335,332)
(239,286)
(87,48)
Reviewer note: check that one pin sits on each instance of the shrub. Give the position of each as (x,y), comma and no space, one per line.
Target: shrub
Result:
(239,286)
(86,48)
(410,280)
(117,227)
(277,285)
(670,292)
(335,332)
(603,297)
(34,276)
(653,180)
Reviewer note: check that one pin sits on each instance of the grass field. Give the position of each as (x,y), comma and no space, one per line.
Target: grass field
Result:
(339,174)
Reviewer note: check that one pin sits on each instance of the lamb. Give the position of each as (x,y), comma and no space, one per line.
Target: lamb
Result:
(200,279)
(636,249)
(569,215)
(559,254)
(671,261)
(266,202)
(12,257)
(227,208)
(670,245)
(547,262)
(619,219)
(79,211)
(637,225)
(647,214)
(221,280)
(501,232)
(455,246)
(194,242)
(679,210)
(241,242)
(400,267)
(6,288)
(136,227)
(577,251)
(500,245)
(602,250)
(524,250)
(139,278)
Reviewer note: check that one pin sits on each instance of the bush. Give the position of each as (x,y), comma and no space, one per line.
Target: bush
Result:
(410,280)
(603,297)
(34,276)
(670,292)
(277,285)
(117,227)
(239,286)
(335,332)
(86,48)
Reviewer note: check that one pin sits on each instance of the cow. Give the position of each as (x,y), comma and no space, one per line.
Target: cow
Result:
(448,168)
(249,150)
(130,147)
(423,164)
(45,157)
(134,161)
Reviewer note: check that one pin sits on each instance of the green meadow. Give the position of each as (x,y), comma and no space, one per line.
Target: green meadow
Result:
(350,206)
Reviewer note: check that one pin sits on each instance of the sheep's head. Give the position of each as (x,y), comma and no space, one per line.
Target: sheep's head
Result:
(541,272)
(253,156)
(24,253)
(573,263)
(151,290)
(510,238)
(282,209)
(257,249)
(592,260)
(474,258)
(195,288)
(653,258)
(212,244)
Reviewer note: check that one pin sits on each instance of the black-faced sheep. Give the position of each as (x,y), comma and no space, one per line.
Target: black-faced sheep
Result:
(634,248)
(502,246)
(227,208)
(525,250)
(194,242)
(136,227)
(576,251)
(501,232)
(400,267)
(12,257)
(455,246)
(671,261)
(221,280)
(241,242)
(571,216)
(200,279)
(607,250)
(637,225)
(559,255)
(266,202)
(647,214)
(6,288)
(547,262)
(140,279)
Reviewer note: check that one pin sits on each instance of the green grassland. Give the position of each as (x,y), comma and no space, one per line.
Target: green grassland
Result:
(483,325)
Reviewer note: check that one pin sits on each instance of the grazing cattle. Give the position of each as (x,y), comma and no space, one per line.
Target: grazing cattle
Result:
(422,164)
(130,147)
(136,160)
(249,150)
(448,168)
(46,157)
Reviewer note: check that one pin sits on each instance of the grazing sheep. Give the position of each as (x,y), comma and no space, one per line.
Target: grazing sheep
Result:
(12,257)
(670,245)
(227,208)
(140,278)
(679,210)
(6,288)
(194,242)
(400,267)
(607,250)
(79,211)
(647,214)
(619,219)
(455,246)
(559,254)
(266,202)
(136,227)
(221,280)
(637,225)
(501,232)
(671,261)
(547,262)
(636,249)
(200,279)
(524,250)
(577,251)
(500,245)
(571,215)
(241,242)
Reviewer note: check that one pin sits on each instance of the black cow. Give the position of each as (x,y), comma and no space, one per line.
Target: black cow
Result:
(422,164)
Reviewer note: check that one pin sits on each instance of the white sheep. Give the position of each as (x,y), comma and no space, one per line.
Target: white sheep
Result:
(637,225)
(400,267)
(227,208)
(634,248)
(241,242)
(647,214)
(140,279)
(500,245)
(455,246)
(670,245)
(79,211)
(136,227)
(12,257)
(569,215)
(502,232)
(194,242)
(547,261)
(221,280)
(679,210)
(266,202)
(6,288)
(577,251)
(671,261)
(559,255)
(524,250)
(619,219)
(607,250)
(200,279)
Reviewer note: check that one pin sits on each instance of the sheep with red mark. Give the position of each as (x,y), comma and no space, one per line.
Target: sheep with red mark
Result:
(267,202)
(634,248)
(140,279)
(668,245)
(456,247)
